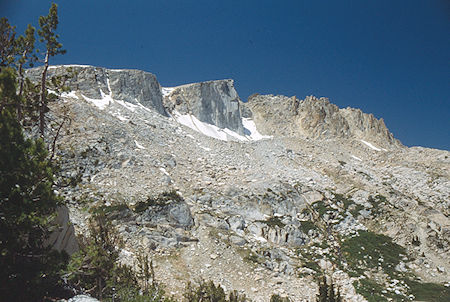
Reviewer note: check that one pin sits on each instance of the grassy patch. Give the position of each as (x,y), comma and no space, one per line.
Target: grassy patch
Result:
(309,259)
(322,244)
(377,203)
(429,291)
(321,207)
(372,250)
(253,258)
(344,200)
(312,265)
(307,226)
(375,292)
(249,256)
(370,290)
(355,211)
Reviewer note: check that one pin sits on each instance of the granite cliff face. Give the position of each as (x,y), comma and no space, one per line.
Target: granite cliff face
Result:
(131,86)
(261,197)
(214,102)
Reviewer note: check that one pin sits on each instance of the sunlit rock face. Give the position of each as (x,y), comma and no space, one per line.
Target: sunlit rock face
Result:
(128,85)
(214,102)
(316,118)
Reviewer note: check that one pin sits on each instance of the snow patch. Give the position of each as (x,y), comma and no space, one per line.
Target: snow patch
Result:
(120,117)
(260,239)
(100,103)
(51,91)
(357,158)
(143,107)
(127,105)
(71,65)
(139,145)
(224,134)
(370,145)
(250,130)
(167,90)
(70,94)
(205,148)
(205,128)
(109,86)
(164,171)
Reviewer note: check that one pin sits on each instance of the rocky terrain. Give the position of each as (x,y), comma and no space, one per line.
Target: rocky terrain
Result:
(260,196)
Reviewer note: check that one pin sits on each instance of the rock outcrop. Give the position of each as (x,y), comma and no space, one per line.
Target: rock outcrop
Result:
(63,238)
(214,102)
(316,118)
(132,86)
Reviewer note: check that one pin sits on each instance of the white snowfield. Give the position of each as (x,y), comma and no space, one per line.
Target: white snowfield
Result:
(166,90)
(104,101)
(100,103)
(356,157)
(139,145)
(224,134)
(250,127)
(371,146)
(71,65)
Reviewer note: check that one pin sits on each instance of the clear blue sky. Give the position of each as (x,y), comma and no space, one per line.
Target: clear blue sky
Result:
(387,57)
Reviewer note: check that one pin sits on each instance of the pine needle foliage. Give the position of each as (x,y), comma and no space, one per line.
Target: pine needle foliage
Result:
(28,205)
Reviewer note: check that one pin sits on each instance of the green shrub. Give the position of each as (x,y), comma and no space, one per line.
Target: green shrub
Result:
(321,207)
(209,292)
(95,268)
(28,203)
(278,298)
(161,200)
(307,226)
(345,201)
(273,221)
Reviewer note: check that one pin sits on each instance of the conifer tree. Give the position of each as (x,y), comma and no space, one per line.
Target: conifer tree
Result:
(47,34)
(327,293)
(7,42)
(25,49)
(27,207)
(323,290)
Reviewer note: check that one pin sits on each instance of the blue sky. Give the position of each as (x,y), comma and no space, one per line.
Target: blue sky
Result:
(386,57)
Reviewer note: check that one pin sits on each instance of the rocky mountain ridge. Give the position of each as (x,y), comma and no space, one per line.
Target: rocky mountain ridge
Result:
(261,197)
(218,103)
(316,118)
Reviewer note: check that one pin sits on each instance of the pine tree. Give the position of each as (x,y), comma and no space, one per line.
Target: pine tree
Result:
(95,266)
(323,290)
(328,293)
(48,25)
(27,207)
(25,49)
(332,295)
(7,42)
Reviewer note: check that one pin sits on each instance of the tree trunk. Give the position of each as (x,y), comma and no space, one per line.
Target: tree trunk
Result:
(42,102)
(21,80)
(100,289)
